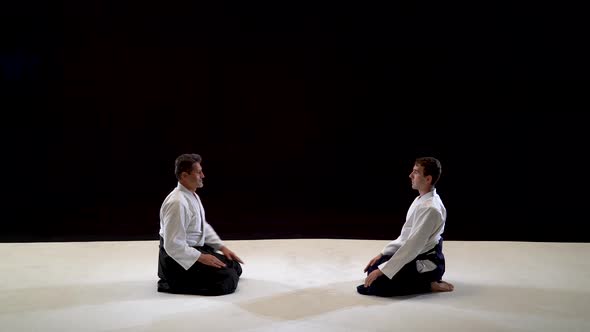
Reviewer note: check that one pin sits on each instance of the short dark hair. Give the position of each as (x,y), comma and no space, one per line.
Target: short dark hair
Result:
(431,166)
(185,162)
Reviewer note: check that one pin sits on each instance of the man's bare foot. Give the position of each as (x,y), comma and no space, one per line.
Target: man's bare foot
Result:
(441,286)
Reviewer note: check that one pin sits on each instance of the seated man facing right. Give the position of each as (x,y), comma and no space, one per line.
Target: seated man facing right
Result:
(188,262)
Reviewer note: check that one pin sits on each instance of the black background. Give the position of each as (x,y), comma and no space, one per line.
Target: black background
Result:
(308,118)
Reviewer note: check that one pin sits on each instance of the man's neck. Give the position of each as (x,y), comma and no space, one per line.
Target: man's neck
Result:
(425,190)
(188,187)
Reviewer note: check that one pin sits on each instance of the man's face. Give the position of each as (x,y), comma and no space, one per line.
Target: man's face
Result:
(419,181)
(196,176)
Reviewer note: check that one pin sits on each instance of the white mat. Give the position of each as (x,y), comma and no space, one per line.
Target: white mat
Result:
(293,285)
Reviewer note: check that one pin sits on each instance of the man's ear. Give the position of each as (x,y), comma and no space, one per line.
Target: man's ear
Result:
(428,179)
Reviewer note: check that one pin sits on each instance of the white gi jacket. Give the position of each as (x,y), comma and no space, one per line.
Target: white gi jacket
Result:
(425,222)
(183,226)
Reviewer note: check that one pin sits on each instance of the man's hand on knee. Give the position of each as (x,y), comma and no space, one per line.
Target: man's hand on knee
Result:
(230,255)
(210,260)
(373,262)
(372,277)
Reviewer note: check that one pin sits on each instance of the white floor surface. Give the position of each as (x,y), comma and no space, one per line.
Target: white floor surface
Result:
(293,285)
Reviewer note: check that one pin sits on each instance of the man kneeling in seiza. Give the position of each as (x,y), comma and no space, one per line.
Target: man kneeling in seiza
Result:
(188,261)
(414,262)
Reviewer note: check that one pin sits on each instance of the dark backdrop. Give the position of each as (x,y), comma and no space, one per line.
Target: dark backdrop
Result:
(308,119)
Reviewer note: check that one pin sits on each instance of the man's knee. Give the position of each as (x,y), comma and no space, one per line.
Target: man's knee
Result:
(225,281)
(238,268)
(225,286)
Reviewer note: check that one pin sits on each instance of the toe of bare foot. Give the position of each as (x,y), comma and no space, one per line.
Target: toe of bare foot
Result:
(442,286)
